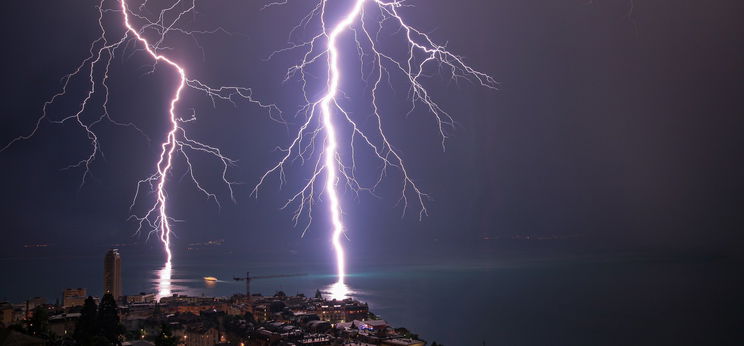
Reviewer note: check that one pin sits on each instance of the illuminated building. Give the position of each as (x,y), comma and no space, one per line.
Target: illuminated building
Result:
(73,297)
(262,312)
(141,298)
(201,336)
(6,314)
(343,310)
(112,273)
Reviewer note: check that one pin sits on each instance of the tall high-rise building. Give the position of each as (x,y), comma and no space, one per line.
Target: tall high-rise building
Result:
(112,273)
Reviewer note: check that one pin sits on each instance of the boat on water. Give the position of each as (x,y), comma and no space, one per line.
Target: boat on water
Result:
(210,278)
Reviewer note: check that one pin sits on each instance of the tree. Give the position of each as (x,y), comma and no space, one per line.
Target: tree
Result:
(88,318)
(165,338)
(87,326)
(108,319)
(39,324)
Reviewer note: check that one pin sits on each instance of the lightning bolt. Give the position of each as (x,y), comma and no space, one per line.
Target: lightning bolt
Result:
(367,20)
(155,220)
(165,163)
(323,114)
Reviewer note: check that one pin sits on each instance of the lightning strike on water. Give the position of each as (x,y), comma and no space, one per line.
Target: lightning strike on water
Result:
(366,19)
(156,220)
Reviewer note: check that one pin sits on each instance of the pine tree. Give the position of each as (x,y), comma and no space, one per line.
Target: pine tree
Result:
(108,319)
(87,326)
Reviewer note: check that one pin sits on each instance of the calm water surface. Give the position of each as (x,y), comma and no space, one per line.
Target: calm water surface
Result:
(571,301)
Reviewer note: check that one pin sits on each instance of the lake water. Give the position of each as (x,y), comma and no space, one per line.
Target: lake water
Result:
(589,300)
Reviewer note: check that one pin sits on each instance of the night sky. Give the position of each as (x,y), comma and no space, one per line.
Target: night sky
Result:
(614,130)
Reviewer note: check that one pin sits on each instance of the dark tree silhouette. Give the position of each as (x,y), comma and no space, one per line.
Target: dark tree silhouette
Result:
(87,325)
(39,323)
(108,319)
(88,331)
(165,338)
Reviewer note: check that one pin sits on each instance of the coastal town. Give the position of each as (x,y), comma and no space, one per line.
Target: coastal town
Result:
(241,319)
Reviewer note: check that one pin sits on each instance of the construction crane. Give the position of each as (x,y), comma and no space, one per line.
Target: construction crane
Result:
(248,278)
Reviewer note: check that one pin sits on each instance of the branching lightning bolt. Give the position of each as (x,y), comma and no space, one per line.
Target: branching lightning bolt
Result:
(366,19)
(155,220)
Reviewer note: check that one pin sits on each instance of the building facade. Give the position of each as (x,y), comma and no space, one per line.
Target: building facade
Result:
(6,314)
(201,337)
(141,298)
(112,274)
(73,297)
